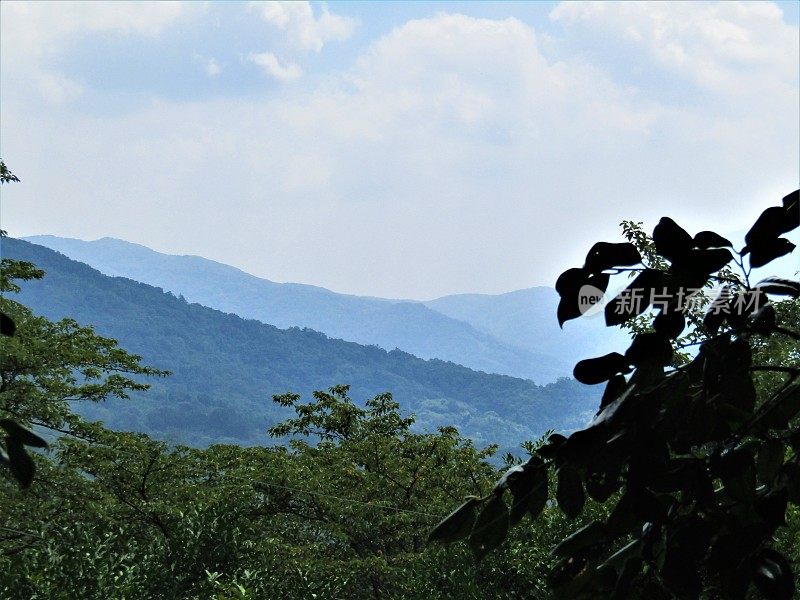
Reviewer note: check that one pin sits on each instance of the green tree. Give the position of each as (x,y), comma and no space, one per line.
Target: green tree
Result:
(340,513)
(44,366)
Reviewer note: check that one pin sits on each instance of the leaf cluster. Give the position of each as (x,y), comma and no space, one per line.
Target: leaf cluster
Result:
(699,465)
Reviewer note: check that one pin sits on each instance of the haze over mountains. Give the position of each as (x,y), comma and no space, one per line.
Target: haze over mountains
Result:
(511,334)
(226,369)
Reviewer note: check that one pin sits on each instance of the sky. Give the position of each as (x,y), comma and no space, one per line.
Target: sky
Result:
(405,150)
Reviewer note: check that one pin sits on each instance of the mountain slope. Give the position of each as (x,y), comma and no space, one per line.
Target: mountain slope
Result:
(225,368)
(409,326)
(527,319)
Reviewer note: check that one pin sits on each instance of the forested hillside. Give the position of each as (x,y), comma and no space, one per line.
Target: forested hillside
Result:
(409,326)
(225,369)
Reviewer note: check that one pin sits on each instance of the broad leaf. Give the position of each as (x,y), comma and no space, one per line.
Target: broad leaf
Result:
(779,286)
(605,255)
(569,492)
(649,348)
(670,323)
(769,460)
(600,369)
(589,535)
(491,527)
(773,222)
(773,575)
(7,325)
(709,239)
(20,462)
(529,492)
(509,475)
(457,525)
(768,251)
(635,298)
(671,240)
(21,434)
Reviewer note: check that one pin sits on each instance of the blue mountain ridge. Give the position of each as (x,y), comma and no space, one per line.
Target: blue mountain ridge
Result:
(511,334)
(226,368)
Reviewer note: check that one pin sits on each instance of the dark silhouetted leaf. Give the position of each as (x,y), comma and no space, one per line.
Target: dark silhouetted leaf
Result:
(623,518)
(602,483)
(7,325)
(649,348)
(554,442)
(782,287)
(670,324)
(570,281)
(590,535)
(771,507)
(709,239)
(457,525)
(680,574)
(539,493)
(702,263)
(569,492)
(568,309)
(529,492)
(773,222)
(615,386)
(768,251)
(503,482)
(604,255)
(671,240)
(773,575)
(20,462)
(764,320)
(791,204)
(635,299)
(600,369)
(769,460)
(491,527)
(571,286)
(21,434)
(738,473)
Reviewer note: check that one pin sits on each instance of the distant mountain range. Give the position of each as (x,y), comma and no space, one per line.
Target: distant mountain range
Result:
(511,334)
(225,368)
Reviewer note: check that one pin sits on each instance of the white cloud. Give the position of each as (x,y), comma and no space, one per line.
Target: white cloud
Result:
(32,33)
(308,31)
(721,46)
(57,89)
(213,68)
(452,156)
(273,66)
(210,65)
(37,27)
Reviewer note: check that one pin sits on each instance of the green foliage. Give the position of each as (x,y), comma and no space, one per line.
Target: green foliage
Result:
(45,366)
(122,515)
(6,176)
(696,457)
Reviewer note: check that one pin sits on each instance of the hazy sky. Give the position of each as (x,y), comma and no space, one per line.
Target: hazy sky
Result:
(404,150)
